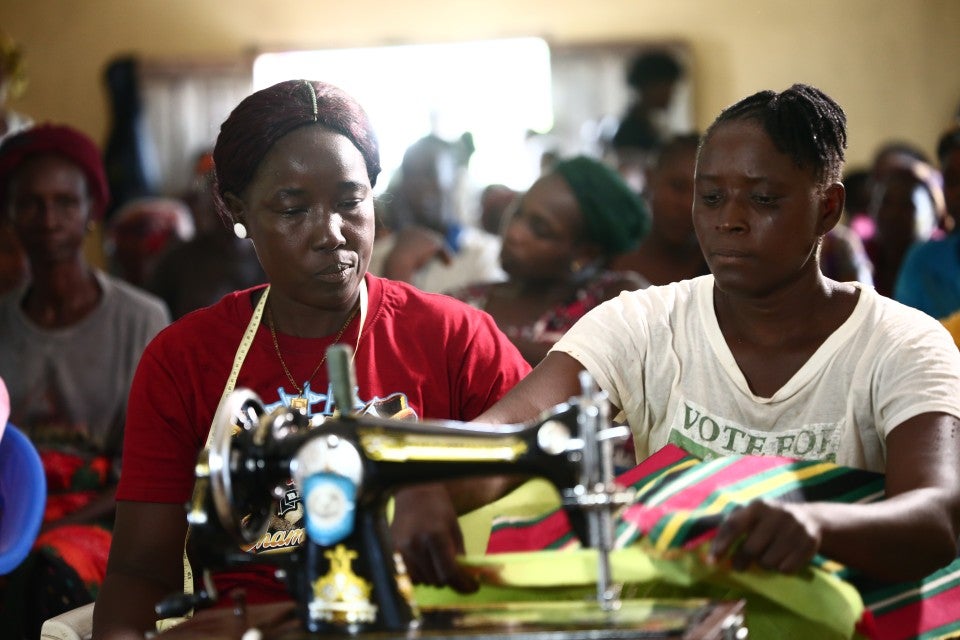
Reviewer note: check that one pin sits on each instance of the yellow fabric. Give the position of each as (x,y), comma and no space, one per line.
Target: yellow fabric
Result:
(533,498)
(811,602)
(812,599)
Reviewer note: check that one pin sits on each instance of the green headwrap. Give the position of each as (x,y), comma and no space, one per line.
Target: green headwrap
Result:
(615,217)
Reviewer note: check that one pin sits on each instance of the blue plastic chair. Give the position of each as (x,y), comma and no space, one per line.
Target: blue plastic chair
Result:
(23,497)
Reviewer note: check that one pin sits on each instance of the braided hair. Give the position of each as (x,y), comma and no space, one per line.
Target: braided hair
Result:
(803,122)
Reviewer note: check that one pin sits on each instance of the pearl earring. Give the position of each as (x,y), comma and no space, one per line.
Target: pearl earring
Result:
(239,230)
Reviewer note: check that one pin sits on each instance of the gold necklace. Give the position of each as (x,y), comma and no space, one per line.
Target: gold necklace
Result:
(300,402)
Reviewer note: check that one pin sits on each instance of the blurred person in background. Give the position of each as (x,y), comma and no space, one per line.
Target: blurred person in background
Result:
(889,221)
(930,276)
(141,231)
(653,77)
(670,252)
(70,339)
(908,207)
(198,272)
(426,239)
(557,247)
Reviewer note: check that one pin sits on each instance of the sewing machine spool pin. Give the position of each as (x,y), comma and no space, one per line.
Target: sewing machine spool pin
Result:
(597,494)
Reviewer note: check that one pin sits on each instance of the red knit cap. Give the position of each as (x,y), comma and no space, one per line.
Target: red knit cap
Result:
(61,140)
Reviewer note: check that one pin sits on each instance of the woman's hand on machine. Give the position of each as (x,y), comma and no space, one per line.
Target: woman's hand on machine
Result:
(426,533)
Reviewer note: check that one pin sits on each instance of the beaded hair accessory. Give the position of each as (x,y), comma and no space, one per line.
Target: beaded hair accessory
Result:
(313,98)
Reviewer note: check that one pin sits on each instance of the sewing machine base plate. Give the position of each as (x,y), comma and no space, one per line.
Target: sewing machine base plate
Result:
(638,619)
(635,619)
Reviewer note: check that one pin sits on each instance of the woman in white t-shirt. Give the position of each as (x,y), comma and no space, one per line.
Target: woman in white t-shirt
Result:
(767,356)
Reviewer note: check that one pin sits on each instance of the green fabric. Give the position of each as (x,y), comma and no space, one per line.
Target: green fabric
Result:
(616,218)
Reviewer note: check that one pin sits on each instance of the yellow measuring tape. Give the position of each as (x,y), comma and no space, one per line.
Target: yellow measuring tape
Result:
(245,343)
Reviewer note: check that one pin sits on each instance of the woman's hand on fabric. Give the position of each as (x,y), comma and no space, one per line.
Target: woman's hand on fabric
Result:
(426,533)
(774,535)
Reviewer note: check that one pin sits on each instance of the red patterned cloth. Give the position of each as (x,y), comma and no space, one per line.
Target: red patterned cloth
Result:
(73,482)
(83,547)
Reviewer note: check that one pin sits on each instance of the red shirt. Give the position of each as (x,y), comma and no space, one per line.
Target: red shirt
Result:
(440,357)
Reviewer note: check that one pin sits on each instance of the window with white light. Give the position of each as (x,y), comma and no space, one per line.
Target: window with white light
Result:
(570,96)
(497,90)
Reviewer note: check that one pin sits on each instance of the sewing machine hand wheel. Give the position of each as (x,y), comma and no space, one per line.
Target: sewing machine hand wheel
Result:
(236,433)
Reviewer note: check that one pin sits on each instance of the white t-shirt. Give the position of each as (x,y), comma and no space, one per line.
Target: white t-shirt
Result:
(661,357)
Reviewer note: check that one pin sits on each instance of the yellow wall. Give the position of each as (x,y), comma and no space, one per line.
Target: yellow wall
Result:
(890,63)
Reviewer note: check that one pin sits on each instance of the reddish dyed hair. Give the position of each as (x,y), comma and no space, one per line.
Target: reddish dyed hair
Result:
(264,117)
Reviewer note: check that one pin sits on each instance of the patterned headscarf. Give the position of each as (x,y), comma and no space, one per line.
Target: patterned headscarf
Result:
(61,140)
(615,217)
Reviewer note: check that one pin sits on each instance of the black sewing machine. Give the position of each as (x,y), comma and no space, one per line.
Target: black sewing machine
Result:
(345,577)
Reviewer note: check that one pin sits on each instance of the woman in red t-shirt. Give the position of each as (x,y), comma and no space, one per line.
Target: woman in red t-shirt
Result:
(296,164)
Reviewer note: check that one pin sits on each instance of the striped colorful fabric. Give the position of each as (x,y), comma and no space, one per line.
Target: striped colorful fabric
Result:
(682,499)
(927,609)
